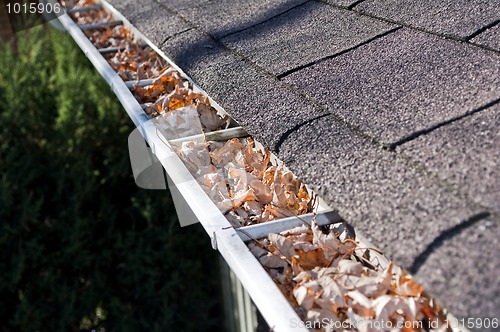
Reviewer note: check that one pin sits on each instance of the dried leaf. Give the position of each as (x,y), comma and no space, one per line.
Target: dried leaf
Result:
(328,242)
(267,259)
(361,304)
(350,267)
(310,259)
(179,123)
(305,294)
(332,291)
(283,245)
(407,287)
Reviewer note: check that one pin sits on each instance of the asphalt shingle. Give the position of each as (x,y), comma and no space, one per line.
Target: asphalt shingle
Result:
(303,35)
(459,18)
(130,8)
(489,38)
(343,3)
(463,271)
(466,154)
(195,51)
(154,21)
(220,18)
(255,99)
(180,5)
(403,82)
(397,207)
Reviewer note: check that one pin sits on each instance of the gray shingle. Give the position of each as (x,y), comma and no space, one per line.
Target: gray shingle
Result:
(466,154)
(256,100)
(179,5)
(489,38)
(458,18)
(130,8)
(397,207)
(194,51)
(303,35)
(154,21)
(343,3)
(464,271)
(223,17)
(403,82)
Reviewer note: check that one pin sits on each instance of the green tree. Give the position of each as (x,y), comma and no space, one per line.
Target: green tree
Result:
(81,246)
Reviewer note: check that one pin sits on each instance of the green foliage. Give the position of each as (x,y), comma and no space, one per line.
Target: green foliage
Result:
(81,246)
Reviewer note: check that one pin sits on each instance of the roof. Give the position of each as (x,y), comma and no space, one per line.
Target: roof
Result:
(388,109)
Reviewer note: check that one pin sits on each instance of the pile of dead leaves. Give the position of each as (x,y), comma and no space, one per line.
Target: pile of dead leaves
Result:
(105,37)
(91,16)
(170,96)
(329,279)
(101,37)
(177,108)
(241,182)
(137,63)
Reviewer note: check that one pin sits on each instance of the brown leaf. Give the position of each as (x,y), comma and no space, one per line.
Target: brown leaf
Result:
(308,260)
(284,246)
(407,287)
